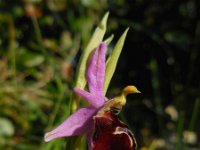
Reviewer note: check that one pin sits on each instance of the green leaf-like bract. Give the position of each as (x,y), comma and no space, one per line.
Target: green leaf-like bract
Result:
(113,59)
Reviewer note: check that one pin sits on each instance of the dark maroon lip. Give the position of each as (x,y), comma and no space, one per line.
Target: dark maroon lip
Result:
(111,134)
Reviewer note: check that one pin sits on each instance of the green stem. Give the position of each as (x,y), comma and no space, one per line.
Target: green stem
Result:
(180,127)
(194,115)
(156,89)
(58,104)
(38,33)
(12,47)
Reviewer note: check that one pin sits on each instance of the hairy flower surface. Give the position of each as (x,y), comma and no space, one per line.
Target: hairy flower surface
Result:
(99,121)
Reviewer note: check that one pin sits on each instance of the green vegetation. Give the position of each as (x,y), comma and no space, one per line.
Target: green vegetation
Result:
(41,43)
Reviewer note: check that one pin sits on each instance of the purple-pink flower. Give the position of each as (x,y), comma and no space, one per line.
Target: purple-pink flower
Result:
(81,121)
(101,115)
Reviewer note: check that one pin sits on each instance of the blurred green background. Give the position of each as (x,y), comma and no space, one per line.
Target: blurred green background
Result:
(40,45)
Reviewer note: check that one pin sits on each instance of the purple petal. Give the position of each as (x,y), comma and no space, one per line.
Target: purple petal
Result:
(95,100)
(76,124)
(96,70)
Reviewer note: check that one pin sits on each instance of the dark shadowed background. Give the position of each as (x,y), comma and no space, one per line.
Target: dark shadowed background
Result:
(41,42)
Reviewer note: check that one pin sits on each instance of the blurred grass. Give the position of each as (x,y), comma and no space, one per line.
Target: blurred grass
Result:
(41,42)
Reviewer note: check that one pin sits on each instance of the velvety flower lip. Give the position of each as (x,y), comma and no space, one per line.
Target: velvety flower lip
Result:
(109,132)
(81,120)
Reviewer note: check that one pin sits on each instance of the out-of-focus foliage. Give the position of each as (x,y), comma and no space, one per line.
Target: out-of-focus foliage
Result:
(41,41)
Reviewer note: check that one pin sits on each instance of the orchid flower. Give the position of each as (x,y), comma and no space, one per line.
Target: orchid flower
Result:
(102,112)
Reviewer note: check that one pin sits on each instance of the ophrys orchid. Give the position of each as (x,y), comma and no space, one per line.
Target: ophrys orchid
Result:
(99,121)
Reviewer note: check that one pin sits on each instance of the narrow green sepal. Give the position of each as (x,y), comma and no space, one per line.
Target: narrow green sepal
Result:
(113,59)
